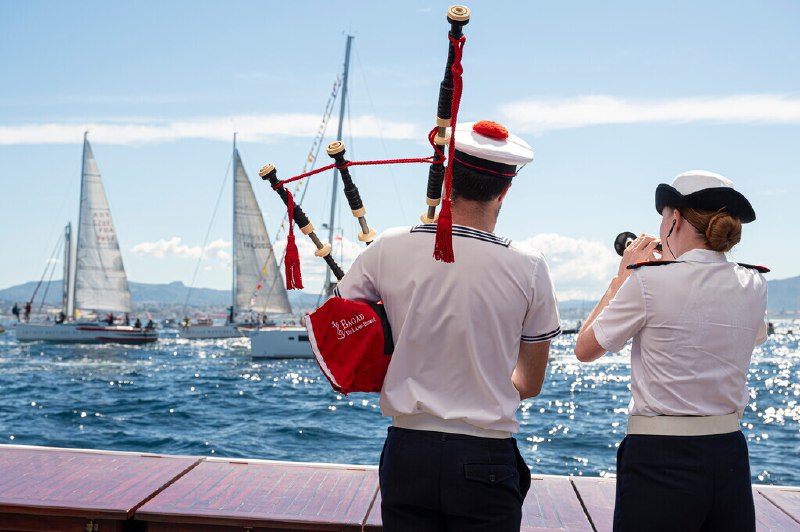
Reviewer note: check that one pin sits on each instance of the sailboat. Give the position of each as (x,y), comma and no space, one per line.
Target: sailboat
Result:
(257,284)
(293,342)
(94,280)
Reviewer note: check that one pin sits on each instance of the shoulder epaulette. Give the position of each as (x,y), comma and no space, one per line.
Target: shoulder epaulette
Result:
(652,263)
(759,269)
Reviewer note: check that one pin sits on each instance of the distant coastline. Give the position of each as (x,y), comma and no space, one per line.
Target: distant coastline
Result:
(169,298)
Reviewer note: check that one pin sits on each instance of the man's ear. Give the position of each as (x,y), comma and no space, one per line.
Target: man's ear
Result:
(504,192)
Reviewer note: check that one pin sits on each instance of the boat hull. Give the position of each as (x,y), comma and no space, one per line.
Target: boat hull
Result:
(84,333)
(281,342)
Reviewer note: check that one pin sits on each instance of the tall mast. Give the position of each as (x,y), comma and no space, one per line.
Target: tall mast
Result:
(233,241)
(66,299)
(74,273)
(328,287)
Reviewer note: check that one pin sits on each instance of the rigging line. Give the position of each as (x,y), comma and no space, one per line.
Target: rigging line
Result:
(317,143)
(208,233)
(66,197)
(398,197)
(311,158)
(56,250)
(52,265)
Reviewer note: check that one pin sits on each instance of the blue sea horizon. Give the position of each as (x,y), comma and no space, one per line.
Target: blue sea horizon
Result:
(210,398)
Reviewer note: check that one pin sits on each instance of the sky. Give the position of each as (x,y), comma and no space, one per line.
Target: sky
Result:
(614,97)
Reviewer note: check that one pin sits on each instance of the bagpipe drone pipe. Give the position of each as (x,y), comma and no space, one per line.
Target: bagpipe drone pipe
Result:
(352,340)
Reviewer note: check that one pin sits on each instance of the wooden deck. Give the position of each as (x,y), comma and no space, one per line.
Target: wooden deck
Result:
(79,490)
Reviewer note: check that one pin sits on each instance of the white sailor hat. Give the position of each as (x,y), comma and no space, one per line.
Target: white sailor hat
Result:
(488,147)
(706,191)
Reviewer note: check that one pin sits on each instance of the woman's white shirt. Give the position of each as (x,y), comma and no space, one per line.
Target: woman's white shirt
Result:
(694,325)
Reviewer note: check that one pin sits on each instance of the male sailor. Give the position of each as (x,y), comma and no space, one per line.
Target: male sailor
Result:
(471,339)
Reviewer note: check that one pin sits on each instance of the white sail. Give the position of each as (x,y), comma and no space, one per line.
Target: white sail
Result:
(258,282)
(100,280)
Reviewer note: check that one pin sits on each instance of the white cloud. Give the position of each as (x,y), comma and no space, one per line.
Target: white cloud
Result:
(582,111)
(522,116)
(581,269)
(174,248)
(253,128)
(217,255)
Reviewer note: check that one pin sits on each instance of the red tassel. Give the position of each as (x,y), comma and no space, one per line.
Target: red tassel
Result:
(292,262)
(291,259)
(443,250)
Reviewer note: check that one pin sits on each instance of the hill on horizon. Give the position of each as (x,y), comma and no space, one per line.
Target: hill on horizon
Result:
(149,295)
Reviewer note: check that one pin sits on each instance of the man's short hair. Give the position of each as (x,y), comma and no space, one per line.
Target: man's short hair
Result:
(473,185)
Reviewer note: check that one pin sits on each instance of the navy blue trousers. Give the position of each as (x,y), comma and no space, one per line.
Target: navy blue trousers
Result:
(684,484)
(436,481)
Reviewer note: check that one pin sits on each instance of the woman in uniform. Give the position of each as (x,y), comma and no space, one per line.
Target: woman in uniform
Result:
(694,318)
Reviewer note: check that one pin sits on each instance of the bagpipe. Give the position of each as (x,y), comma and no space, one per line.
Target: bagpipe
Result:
(352,340)
(439,175)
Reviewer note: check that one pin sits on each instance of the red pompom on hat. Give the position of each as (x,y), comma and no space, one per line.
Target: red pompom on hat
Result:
(492,143)
(490,129)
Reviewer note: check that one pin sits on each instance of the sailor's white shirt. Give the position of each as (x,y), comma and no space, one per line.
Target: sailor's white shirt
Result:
(457,327)
(694,325)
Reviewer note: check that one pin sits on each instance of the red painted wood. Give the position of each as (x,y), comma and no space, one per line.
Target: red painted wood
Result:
(786,501)
(59,489)
(258,493)
(63,482)
(551,504)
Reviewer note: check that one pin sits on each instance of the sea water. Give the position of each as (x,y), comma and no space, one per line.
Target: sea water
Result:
(210,398)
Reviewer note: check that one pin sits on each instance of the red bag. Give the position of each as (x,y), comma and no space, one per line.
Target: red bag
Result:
(352,342)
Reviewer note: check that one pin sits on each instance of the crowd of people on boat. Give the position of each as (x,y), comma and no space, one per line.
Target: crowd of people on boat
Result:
(126,321)
(247,321)
(110,319)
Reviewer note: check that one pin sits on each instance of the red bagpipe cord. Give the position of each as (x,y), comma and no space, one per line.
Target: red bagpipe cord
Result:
(292,259)
(439,158)
(443,249)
